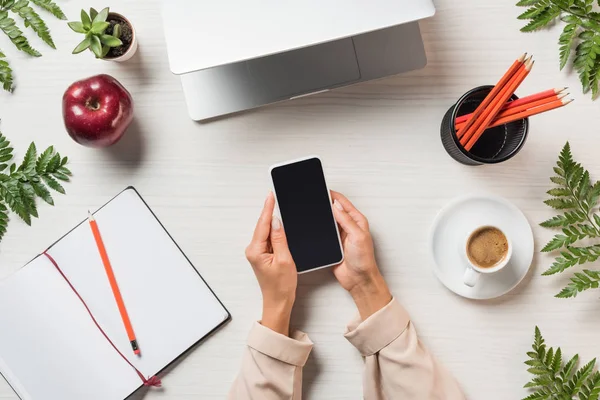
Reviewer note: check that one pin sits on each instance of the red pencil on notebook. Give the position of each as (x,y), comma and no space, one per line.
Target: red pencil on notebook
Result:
(113,284)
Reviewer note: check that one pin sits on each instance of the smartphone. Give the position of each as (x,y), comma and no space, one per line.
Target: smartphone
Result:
(304,204)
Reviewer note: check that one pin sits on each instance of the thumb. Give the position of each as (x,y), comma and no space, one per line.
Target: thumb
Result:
(278,238)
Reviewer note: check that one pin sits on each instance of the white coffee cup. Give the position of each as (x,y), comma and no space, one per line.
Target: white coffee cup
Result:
(473,271)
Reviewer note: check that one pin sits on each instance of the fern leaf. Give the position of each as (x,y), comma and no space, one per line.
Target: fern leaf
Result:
(542,19)
(53,184)
(558,242)
(28,198)
(42,192)
(51,7)
(560,203)
(5,147)
(527,3)
(553,381)
(43,160)
(12,196)
(29,161)
(565,42)
(33,20)
(569,218)
(3,220)
(8,26)
(579,283)
(6,78)
(580,376)
(532,12)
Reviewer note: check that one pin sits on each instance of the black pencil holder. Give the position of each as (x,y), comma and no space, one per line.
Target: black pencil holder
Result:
(496,145)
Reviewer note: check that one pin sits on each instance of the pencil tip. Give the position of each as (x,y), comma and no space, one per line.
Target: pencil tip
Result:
(90,215)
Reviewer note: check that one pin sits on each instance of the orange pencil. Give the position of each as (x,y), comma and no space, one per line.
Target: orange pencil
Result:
(533,111)
(469,139)
(113,283)
(493,93)
(523,100)
(523,107)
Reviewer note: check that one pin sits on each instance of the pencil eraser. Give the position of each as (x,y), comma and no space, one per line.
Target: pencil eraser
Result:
(137,352)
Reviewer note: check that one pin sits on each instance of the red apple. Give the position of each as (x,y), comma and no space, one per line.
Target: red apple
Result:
(97,111)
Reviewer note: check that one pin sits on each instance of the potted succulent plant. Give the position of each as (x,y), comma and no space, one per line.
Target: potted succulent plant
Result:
(109,35)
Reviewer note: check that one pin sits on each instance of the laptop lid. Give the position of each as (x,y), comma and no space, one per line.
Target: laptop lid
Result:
(202,34)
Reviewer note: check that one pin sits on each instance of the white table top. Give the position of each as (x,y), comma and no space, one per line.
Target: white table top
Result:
(380,140)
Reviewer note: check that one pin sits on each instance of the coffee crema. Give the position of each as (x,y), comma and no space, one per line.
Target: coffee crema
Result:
(487,247)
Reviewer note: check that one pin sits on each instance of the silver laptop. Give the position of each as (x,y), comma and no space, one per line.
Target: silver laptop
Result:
(234,55)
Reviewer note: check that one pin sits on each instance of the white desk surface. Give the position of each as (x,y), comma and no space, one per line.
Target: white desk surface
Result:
(380,140)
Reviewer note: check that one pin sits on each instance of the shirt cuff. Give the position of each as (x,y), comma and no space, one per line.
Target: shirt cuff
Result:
(379,330)
(292,350)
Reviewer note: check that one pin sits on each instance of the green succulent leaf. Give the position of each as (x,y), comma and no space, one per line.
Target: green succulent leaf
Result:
(85,20)
(117,31)
(77,26)
(84,45)
(102,15)
(110,41)
(99,27)
(93,13)
(96,46)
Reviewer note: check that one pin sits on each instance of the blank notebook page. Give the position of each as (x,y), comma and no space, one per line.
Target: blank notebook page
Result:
(50,348)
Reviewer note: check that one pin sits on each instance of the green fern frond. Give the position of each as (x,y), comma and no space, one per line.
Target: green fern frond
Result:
(21,186)
(33,20)
(51,7)
(541,17)
(8,26)
(577,196)
(30,19)
(580,282)
(565,42)
(582,32)
(554,379)
(6,78)
(3,220)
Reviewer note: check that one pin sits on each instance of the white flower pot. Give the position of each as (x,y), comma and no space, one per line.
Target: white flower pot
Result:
(134,41)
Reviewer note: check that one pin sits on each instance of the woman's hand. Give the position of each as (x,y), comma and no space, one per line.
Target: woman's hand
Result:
(274,269)
(358,274)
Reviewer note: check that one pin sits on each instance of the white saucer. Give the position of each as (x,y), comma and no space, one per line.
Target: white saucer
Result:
(449,233)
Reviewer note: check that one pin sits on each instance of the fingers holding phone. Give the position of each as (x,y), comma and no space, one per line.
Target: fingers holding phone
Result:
(274,268)
(358,273)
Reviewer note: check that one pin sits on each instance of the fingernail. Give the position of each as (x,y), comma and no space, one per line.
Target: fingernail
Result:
(338,205)
(275,223)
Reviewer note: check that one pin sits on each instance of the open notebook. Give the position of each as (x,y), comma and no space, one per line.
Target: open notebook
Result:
(49,346)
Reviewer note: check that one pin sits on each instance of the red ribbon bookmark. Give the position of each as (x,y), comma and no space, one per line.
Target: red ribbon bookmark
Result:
(151,381)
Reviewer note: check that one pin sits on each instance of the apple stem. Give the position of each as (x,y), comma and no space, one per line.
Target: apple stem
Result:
(92,104)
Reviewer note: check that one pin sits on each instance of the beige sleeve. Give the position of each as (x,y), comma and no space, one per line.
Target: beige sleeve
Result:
(397,365)
(271,366)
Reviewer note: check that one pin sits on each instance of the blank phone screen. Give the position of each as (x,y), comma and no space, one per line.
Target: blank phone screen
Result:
(306,214)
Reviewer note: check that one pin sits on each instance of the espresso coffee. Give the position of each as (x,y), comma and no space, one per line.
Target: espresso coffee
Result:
(487,247)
